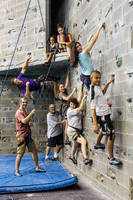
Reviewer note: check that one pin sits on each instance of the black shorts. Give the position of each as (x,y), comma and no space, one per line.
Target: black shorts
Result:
(57,140)
(105,124)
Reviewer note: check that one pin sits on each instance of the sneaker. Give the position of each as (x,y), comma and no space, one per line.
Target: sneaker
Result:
(87,161)
(18,174)
(114,161)
(100,146)
(73,160)
(67,142)
(40,170)
(48,159)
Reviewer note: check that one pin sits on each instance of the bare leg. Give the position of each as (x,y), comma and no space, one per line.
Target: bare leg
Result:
(68,50)
(100,135)
(82,141)
(35,158)
(110,145)
(48,149)
(74,148)
(18,160)
(58,148)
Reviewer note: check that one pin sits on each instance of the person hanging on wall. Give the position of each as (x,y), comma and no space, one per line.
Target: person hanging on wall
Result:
(23,124)
(101,112)
(83,56)
(53,49)
(60,93)
(26,85)
(74,130)
(54,132)
(64,39)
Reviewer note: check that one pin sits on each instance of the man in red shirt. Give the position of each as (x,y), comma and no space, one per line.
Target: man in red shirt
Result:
(23,135)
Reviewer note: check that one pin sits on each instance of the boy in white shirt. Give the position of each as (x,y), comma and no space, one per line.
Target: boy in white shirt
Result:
(100,111)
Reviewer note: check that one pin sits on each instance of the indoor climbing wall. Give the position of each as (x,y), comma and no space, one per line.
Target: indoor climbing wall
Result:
(112,55)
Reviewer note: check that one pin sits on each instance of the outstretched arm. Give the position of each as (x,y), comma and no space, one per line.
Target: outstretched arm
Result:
(27,119)
(70,95)
(80,93)
(27,93)
(25,65)
(87,50)
(55,90)
(107,85)
(81,107)
(67,80)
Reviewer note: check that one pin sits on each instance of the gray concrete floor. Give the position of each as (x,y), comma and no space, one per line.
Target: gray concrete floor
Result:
(84,190)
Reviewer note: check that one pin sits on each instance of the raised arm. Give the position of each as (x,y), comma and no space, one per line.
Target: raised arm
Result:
(87,50)
(107,85)
(80,93)
(67,80)
(55,90)
(25,65)
(70,95)
(81,107)
(27,93)
(27,119)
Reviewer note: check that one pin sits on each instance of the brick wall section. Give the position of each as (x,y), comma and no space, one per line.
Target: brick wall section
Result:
(115,43)
(33,37)
(7,118)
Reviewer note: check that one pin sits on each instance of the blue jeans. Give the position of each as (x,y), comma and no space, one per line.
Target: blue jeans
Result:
(86,80)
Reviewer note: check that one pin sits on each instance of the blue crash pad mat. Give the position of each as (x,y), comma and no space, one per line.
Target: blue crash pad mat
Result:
(56,175)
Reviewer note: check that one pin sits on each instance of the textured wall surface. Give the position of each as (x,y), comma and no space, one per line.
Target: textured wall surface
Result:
(8,108)
(115,43)
(33,37)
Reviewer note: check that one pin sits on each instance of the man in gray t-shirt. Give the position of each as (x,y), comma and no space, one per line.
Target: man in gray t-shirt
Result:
(54,132)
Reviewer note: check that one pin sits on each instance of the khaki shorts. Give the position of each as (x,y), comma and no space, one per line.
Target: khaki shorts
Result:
(72,135)
(22,145)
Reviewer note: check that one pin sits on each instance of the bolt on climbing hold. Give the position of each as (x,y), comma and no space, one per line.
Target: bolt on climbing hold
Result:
(129,100)
(118,61)
(131,3)
(119,112)
(110,31)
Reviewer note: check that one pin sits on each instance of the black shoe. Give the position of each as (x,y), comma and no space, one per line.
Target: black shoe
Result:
(87,161)
(55,159)
(100,146)
(73,160)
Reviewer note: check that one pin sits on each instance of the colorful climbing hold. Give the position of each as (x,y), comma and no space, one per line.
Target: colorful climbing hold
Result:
(119,62)
(119,112)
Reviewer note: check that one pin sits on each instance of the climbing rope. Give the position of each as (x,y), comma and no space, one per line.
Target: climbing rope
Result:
(3,82)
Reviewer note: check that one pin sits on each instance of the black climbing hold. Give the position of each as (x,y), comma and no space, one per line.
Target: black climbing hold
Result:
(129,100)
(131,3)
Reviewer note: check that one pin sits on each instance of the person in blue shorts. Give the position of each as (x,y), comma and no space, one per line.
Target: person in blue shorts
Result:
(84,59)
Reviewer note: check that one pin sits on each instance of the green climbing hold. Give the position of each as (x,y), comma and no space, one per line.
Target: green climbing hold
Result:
(119,62)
